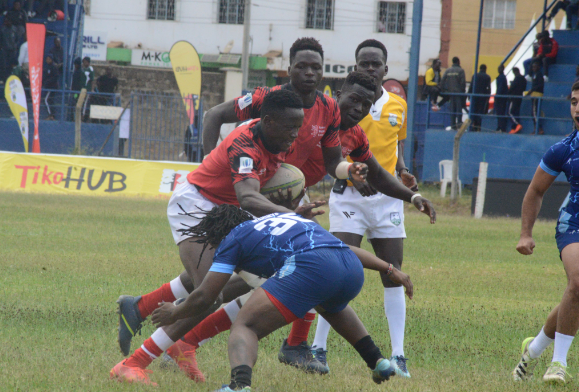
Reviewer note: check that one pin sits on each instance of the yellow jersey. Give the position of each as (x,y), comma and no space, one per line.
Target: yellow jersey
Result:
(384,126)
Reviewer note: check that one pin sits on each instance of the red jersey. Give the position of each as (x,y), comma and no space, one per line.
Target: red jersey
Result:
(354,143)
(319,129)
(240,156)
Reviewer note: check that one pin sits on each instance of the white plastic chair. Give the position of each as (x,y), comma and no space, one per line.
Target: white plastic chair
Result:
(445,169)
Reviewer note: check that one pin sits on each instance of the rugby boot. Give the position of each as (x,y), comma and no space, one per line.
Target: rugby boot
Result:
(556,374)
(130,374)
(301,357)
(399,363)
(320,354)
(383,371)
(184,355)
(524,369)
(225,388)
(130,321)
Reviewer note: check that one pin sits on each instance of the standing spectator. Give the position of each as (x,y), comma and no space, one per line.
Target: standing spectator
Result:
(518,87)
(50,81)
(88,71)
(431,84)
(571,8)
(57,53)
(18,18)
(482,86)
(453,81)
(78,83)
(501,102)
(9,48)
(107,83)
(23,56)
(536,92)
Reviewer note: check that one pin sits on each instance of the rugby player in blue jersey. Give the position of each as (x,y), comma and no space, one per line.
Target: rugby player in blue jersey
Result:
(307,268)
(563,321)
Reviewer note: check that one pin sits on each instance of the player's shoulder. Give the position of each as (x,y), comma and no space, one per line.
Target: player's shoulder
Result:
(326,101)
(396,100)
(570,144)
(244,135)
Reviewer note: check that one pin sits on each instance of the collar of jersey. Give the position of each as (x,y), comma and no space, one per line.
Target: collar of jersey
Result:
(379,104)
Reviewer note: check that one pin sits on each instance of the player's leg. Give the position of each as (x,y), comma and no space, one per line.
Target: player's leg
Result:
(567,317)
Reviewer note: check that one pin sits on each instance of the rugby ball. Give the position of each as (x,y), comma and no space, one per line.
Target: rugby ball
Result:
(286,177)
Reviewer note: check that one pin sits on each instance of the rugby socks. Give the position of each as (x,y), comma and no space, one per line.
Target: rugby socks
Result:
(562,345)
(213,325)
(301,329)
(539,344)
(168,292)
(322,332)
(150,350)
(395,307)
(240,377)
(368,351)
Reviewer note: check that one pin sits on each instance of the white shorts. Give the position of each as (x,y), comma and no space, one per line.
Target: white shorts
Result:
(378,216)
(187,196)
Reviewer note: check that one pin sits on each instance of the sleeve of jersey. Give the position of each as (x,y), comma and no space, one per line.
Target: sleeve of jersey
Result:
(554,158)
(332,136)
(402,131)
(362,152)
(227,255)
(249,106)
(243,158)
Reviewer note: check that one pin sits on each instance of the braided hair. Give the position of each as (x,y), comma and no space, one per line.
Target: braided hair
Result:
(215,224)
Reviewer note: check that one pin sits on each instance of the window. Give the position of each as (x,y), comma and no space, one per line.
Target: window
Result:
(161,9)
(231,11)
(320,14)
(391,17)
(499,14)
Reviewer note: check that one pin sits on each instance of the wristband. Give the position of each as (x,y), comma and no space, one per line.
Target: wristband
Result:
(390,270)
(343,170)
(415,196)
(400,171)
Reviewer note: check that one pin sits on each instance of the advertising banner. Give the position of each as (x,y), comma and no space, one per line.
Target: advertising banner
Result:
(94,45)
(35,34)
(150,58)
(68,174)
(16,98)
(187,68)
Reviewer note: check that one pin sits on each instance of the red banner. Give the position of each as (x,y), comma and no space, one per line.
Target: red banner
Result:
(35,34)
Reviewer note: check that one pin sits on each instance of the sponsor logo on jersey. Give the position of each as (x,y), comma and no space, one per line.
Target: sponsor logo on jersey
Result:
(395,218)
(244,101)
(245,165)
(346,151)
(349,214)
(393,119)
(318,130)
(261,172)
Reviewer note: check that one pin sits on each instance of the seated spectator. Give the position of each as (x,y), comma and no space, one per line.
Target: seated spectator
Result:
(516,90)
(536,92)
(18,18)
(50,82)
(547,55)
(9,48)
(571,8)
(431,81)
(57,53)
(500,106)
(45,7)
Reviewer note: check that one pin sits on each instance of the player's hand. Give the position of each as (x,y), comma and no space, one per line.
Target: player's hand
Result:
(306,209)
(409,181)
(164,315)
(287,201)
(526,245)
(358,171)
(425,206)
(400,277)
(364,188)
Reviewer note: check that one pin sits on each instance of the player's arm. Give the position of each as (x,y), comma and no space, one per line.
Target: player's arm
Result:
(197,302)
(390,186)
(370,261)
(531,207)
(338,167)
(407,178)
(252,201)
(214,118)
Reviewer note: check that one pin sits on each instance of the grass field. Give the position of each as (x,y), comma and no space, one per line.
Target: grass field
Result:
(65,260)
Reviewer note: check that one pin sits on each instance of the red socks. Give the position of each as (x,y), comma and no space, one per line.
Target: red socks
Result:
(211,326)
(150,302)
(141,358)
(300,330)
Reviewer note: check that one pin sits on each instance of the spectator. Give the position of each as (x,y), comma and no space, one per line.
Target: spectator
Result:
(57,53)
(88,71)
(18,18)
(571,8)
(78,83)
(536,92)
(9,48)
(50,81)
(453,81)
(23,56)
(501,102)
(479,105)
(45,7)
(431,82)
(547,55)
(107,83)
(517,88)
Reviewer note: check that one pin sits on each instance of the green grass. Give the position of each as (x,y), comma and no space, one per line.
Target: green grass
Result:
(65,260)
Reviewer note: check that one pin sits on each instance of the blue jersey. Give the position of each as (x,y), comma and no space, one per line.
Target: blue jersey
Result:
(564,157)
(263,246)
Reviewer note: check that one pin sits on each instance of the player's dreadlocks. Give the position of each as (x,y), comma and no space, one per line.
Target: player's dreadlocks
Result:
(215,225)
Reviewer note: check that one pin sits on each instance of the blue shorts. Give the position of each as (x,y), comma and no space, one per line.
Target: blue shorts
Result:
(564,239)
(326,277)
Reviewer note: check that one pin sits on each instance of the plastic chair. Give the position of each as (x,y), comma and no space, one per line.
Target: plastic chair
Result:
(445,169)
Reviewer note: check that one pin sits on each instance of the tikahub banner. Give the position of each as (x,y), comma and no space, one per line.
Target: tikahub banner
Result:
(35,34)
(187,69)
(16,98)
(67,174)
